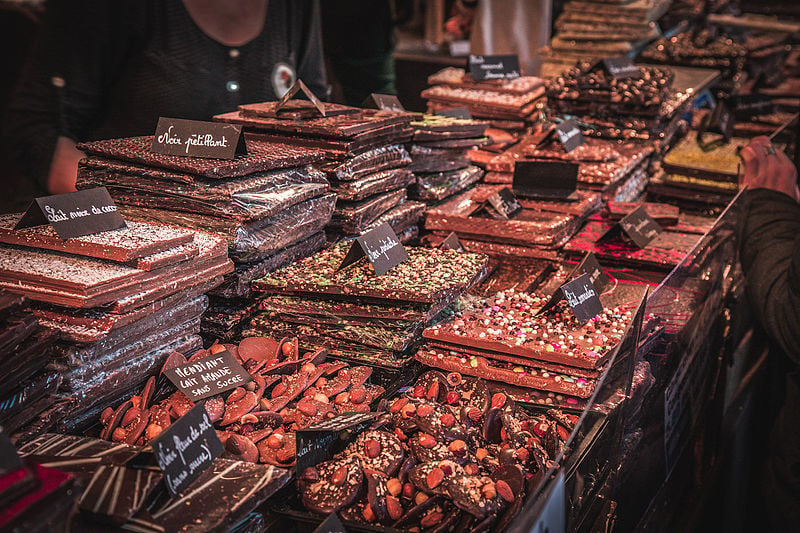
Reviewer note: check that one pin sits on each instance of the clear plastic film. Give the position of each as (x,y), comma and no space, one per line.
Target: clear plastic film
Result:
(369,162)
(371,184)
(440,185)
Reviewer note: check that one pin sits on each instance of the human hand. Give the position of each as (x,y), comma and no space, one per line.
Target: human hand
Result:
(768,168)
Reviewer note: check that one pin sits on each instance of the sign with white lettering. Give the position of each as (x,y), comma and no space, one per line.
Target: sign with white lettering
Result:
(589,265)
(497,67)
(456,112)
(638,226)
(186,449)
(384,102)
(504,204)
(569,134)
(581,297)
(381,247)
(621,67)
(319,442)
(74,214)
(195,138)
(208,376)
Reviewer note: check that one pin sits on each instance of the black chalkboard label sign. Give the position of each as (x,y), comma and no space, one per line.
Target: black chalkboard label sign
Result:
(196,138)
(384,102)
(505,204)
(186,449)
(319,442)
(451,242)
(209,376)
(332,524)
(589,265)
(747,106)
(496,67)
(581,296)
(569,134)
(638,226)
(381,247)
(456,112)
(545,179)
(74,214)
(9,459)
(621,67)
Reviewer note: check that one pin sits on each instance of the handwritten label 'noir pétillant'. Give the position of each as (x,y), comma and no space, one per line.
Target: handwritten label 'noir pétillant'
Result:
(381,247)
(496,67)
(195,138)
(209,376)
(186,449)
(74,214)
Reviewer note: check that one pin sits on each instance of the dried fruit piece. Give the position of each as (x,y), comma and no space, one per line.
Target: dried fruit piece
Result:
(339,476)
(447,420)
(488,491)
(393,507)
(458,447)
(426,441)
(425,409)
(499,399)
(398,404)
(504,490)
(394,486)
(431,519)
(434,477)
(453,397)
(372,448)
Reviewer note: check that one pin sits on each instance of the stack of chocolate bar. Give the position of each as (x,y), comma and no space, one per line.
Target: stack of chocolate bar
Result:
(357,315)
(508,104)
(440,152)
(28,388)
(503,338)
(364,159)
(588,29)
(119,493)
(641,106)
(120,301)
(617,170)
(269,204)
(539,229)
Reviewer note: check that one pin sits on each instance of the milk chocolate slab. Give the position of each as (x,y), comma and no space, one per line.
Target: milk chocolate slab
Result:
(553,338)
(453,128)
(495,249)
(328,310)
(458,95)
(335,149)
(136,241)
(181,253)
(260,157)
(354,217)
(368,162)
(458,77)
(371,184)
(427,276)
(237,283)
(296,109)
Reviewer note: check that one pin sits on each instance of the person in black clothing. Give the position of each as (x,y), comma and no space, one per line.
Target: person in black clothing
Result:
(770,257)
(110,68)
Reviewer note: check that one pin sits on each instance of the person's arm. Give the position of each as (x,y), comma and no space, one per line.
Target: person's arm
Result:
(310,60)
(770,244)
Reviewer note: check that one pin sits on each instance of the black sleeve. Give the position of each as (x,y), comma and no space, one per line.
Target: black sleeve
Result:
(79,50)
(770,256)
(310,60)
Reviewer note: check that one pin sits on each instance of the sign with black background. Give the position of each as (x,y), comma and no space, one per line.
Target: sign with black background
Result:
(496,67)
(505,204)
(381,247)
(621,67)
(589,265)
(452,243)
(195,138)
(746,106)
(74,214)
(545,179)
(9,459)
(319,442)
(638,226)
(209,376)
(332,524)
(581,296)
(384,102)
(186,449)
(456,112)
(569,134)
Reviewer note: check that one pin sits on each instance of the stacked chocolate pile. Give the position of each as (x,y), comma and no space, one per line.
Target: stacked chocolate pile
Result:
(120,302)
(357,315)
(440,152)
(364,158)
(256,422)
(115,495)
(638,107)
(508,104)
(619,171)
(539,229)
(588,29)
(28,388)
(269,204)
(448,456)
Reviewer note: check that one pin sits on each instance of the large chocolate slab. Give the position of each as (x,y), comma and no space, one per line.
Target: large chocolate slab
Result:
(137,240)
(338,126)
(371,184)
(354,217)
(368,162)
(260,157)
(433,187)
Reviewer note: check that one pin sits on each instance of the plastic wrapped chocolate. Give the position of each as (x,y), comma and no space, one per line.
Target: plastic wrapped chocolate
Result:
(369,162)
(434,187)
(372,184)
(352,218)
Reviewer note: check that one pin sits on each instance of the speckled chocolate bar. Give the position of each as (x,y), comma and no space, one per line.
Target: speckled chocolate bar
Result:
(458,77)
(490,326)
(437,186)
(216,501)
(428,276)
(353,217)
(260,157)
(439,127)
(502,101)
(121,245)
(369,162)
(371,184)
(331,311)
(496,249)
